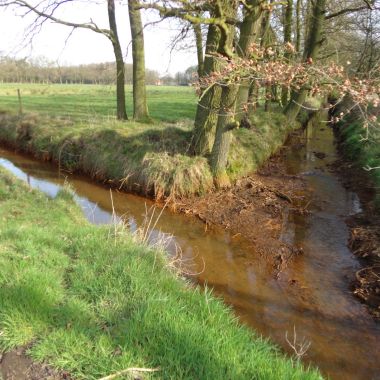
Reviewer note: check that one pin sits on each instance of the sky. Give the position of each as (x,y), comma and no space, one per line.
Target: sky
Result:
(85,46)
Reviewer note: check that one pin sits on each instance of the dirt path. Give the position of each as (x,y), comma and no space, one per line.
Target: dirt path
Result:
(16,365)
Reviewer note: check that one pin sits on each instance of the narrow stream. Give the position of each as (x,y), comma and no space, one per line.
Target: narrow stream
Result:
(311,297)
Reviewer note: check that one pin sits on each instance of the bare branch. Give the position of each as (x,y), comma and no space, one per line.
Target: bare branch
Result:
(47,14)
(344,11)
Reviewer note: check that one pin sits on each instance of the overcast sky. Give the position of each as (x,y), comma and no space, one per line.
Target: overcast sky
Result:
(88,47)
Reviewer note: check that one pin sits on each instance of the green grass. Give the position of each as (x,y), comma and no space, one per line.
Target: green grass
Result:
(72,125)
(87,102)
(93,302)
(362,148)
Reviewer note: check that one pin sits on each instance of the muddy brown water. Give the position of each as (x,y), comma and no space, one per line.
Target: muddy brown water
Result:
(311,296)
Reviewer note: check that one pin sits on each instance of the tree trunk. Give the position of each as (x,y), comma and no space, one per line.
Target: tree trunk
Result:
(298,26)
(223,137)
(250,31)
(120,91)
(266,40)
(226,120)
(312,47)
(199,44)
(140,108)
(206,115)
(288,19)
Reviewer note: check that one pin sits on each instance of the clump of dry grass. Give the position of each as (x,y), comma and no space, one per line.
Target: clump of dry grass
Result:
(176,175)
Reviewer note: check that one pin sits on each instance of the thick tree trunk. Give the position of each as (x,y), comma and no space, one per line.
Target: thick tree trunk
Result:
(223,137)
(120,74)
(250,31)
(206,115)
(312,48)
(226,120)
(199,45)
(288,19)
(140,108)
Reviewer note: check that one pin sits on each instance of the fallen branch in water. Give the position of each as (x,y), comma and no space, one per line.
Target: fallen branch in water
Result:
(129,370)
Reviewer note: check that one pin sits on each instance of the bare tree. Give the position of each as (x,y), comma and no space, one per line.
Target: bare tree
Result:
(46,9)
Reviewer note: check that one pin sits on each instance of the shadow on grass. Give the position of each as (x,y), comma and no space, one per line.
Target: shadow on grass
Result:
(93,347)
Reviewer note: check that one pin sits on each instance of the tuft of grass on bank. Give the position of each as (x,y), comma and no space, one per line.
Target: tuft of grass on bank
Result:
(151,159)
(142,158)
(93,303)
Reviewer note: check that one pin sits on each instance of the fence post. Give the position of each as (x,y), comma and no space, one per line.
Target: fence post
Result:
(19,102)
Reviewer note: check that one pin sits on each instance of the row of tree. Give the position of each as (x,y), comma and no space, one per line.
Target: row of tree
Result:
(41,70)
(249,45)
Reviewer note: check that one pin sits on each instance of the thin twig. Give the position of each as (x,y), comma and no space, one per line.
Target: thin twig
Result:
(129,370)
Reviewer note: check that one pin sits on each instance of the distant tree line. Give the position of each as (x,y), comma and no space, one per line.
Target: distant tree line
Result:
(41,70)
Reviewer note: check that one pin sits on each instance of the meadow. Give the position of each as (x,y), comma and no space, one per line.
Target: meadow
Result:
(84,102)
(97,300)
(75,126)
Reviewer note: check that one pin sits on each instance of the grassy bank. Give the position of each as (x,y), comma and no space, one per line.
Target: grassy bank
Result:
(93,302)
(72,126)
(360,146)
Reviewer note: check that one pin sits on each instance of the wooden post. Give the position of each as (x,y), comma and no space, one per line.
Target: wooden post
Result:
(19,102)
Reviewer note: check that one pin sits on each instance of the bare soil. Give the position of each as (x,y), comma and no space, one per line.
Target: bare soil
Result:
(254,208)
(16,365)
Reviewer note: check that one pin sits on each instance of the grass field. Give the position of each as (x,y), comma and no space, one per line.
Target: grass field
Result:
(92,102)
(74,126)
(96,300)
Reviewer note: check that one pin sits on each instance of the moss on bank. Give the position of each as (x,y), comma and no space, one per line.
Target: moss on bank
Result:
(93,302)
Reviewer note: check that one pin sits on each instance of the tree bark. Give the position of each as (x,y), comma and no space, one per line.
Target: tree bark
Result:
(140,108)
(288,19)
(226,123)
(298,26)
(206,114)
(120,75)
(267,35)
(199,45)
(250,31)
(312,48)
(226,119)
